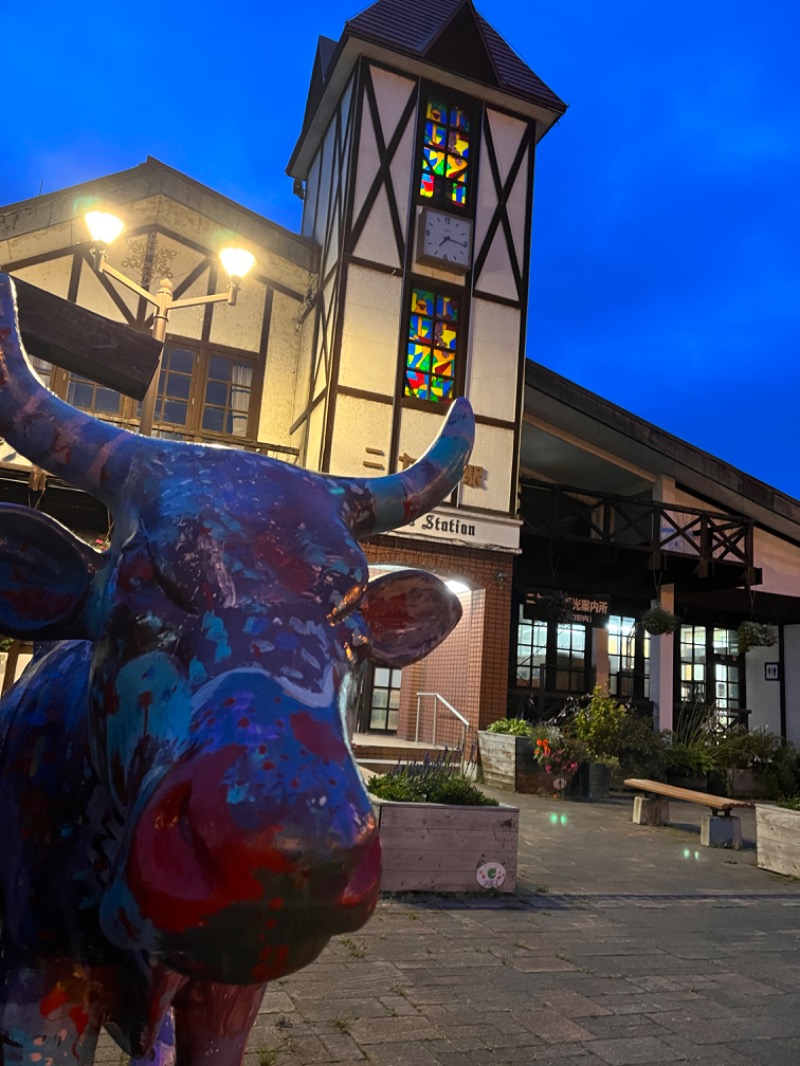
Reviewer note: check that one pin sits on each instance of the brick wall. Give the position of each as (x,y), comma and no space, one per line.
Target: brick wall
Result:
(470,669)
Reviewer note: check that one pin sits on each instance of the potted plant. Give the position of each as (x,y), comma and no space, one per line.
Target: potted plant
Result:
(754,635)
(440,833)
(741,758)
(507,756)
(559,755)
(598,724)
(688,763)
(658,620)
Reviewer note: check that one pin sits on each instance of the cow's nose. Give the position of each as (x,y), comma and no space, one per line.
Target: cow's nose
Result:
(199,846)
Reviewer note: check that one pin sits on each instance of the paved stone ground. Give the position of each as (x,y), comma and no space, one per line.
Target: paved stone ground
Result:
(624,945)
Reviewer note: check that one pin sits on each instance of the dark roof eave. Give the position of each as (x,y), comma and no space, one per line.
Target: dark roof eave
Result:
(541,103)
(689,461)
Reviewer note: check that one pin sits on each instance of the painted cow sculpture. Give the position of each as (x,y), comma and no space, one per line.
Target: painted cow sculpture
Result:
(182,819)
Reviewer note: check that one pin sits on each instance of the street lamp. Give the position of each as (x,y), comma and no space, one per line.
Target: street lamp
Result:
(104,228)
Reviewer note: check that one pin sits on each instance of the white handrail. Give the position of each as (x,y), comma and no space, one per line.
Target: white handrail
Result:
(437,699)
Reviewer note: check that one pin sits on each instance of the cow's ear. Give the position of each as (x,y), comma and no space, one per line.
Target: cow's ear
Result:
(44,576)
(409,613)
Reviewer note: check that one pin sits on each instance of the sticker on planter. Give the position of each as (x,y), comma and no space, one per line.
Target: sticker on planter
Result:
(491,875)
(560,783)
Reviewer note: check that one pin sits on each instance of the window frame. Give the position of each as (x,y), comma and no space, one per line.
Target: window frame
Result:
(473,108)
(202,352)
(444,288)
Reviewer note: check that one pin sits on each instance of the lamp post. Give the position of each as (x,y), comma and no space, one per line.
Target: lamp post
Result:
(105,228)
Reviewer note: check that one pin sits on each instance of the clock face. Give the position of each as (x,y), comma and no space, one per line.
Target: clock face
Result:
(445,241)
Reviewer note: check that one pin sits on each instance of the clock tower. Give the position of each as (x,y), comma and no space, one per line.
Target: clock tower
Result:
(416,162)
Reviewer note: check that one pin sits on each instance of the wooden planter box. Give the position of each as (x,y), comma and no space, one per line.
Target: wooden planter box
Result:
(778,839)
(436,847)
(507,763)
(745,784)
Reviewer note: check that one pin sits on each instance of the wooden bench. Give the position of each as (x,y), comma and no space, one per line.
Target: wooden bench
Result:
(719,828)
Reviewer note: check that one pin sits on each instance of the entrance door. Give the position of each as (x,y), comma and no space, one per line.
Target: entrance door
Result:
(381,700)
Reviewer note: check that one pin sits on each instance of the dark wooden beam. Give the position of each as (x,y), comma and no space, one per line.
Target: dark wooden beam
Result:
(75,339)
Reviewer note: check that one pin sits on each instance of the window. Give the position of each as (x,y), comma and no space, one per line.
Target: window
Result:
(710,673)
(432,343)
(531,652)
(628,658)
(570,657)
(551,655)
(203,394)
(444,176)
(221,384)
(384,700)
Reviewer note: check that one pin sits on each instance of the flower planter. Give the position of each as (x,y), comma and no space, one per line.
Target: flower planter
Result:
(436,847)
(592,781)
(778,839)
(745,784)
(507,763)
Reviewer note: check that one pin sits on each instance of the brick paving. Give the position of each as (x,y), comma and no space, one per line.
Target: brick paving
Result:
(623,945)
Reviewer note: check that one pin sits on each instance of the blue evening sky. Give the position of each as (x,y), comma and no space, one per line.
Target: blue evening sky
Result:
(666,244)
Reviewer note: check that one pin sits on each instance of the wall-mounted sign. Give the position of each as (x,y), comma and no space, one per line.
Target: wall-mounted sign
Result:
(466,527)
(559,607)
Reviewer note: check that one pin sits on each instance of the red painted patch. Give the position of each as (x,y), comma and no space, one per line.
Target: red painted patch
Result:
(53,1001)
(318,737)
(80,1018)
(189,860)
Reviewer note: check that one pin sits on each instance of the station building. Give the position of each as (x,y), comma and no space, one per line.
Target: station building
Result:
(406,286)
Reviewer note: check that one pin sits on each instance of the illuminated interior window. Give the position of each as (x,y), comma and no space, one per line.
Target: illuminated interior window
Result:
(445,173)
(710,671)
(628,658)
(432,342)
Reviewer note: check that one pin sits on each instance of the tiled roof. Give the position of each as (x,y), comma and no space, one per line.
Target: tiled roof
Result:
(414,26)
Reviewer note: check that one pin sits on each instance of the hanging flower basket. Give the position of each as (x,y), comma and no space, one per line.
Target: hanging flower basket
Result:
(555,607)
(755,635)
(657,621)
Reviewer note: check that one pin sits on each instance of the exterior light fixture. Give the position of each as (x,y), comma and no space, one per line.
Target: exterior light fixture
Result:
(104,228)
(236,263)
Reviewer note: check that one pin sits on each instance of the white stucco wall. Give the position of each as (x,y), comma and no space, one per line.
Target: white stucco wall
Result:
(762,697)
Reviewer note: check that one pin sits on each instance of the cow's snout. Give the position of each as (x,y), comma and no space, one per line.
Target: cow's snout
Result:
(264,852)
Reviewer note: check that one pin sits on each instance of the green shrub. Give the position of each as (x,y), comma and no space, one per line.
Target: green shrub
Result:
(641,752)
(687,758)
(600,724)
(738,749)
(515,727)
(425,784)
(782,774)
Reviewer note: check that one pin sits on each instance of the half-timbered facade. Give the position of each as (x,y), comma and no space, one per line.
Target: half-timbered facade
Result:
(408,286)
(416,164)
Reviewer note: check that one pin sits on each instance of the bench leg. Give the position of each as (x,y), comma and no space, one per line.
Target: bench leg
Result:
(650,810)
(721,831)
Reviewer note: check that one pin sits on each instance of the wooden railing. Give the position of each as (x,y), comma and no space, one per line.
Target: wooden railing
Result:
(643,525)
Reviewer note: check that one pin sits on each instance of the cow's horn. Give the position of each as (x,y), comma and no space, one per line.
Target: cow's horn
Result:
(87,452)
(378,505)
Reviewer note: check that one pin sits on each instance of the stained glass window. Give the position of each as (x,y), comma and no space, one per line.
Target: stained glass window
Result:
(445,152)
(431,345)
